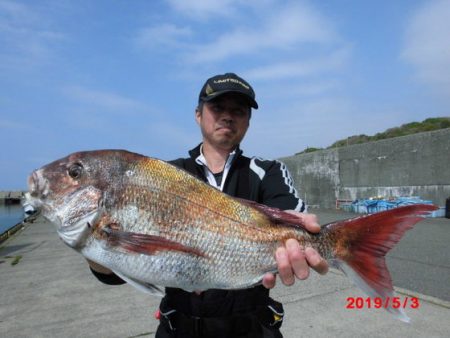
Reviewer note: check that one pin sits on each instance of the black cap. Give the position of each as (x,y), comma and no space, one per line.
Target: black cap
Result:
(227,83)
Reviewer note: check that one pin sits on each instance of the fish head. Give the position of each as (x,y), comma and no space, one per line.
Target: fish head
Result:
(69,192)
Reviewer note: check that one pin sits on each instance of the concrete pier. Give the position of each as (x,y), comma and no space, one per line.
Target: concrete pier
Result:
(11,197)
(47,290)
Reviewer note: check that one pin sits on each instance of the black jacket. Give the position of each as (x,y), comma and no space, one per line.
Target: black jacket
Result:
(264,181)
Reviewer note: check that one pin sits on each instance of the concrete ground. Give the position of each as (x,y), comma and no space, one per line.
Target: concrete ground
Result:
(47,290)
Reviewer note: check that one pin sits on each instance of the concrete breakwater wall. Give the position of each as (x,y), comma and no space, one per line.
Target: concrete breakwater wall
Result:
(413,165)
(11,197)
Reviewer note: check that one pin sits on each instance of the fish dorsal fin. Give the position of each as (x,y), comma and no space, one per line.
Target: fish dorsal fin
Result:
(275,215)
(141,286)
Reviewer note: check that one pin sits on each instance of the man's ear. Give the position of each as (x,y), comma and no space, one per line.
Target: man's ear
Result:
(198,116)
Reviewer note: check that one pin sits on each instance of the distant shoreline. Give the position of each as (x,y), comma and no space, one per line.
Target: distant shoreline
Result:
(11,197)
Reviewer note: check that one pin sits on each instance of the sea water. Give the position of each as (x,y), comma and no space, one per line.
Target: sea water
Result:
(10,215)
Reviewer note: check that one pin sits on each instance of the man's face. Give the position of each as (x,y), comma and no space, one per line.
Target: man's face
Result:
(224,120)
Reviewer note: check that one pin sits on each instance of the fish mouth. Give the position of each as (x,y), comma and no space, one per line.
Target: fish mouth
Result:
(29,204)
(38,186)
(38,189)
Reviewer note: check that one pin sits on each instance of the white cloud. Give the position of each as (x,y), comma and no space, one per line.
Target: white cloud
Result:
(24,35)
(284,29)
(332,62)
(204,9)
(100,99)
(174,136)
(13,11)
(165,35)
(291,127)
(427,45)
(308,88)
(272,34)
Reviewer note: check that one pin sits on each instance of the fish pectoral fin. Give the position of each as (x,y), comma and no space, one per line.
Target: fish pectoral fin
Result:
(144,243)
(142,286)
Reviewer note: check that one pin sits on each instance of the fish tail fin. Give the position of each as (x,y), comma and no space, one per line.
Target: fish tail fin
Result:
(361,245)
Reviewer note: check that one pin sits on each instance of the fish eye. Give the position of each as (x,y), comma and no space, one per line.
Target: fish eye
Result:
(75,170)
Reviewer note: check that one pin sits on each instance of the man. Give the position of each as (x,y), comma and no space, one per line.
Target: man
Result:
(223,114)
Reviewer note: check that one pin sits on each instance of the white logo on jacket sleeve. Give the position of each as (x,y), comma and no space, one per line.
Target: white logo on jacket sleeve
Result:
(290,183)
(287,178)
(258,170)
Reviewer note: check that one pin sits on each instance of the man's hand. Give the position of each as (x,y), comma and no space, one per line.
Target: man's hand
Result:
(294,260)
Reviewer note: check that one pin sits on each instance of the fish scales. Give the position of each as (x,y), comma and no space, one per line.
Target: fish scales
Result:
(179,201)
(152,223)
(139,206)
(236,254)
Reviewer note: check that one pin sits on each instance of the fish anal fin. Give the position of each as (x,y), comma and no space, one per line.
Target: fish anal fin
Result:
(142,286)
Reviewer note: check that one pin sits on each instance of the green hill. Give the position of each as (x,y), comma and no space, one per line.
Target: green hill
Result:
(430,124)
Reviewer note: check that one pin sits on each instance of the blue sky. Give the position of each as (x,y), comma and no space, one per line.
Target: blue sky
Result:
(80,75)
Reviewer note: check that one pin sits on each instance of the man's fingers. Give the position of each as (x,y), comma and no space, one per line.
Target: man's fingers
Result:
(297,258)
(294,261)
(291,262)
(315,261)
(309,221)
(284,266)
(269,280)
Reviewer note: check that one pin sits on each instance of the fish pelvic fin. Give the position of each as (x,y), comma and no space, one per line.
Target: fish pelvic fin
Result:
(144,243)
(141,286)
(361,245)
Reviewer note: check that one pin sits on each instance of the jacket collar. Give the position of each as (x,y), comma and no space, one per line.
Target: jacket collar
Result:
(196,152)
(199,159)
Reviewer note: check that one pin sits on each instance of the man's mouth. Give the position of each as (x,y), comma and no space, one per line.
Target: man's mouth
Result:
(225,128)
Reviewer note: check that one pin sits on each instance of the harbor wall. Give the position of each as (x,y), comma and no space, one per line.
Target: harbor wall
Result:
(11,197)
(412,165)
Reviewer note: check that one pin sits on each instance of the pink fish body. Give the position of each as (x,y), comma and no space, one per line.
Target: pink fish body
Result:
(156,225)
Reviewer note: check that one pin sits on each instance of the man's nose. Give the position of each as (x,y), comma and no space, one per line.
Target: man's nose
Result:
(227,115)
(227,119)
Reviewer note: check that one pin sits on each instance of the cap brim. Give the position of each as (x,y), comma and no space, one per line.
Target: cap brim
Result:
(251,100)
